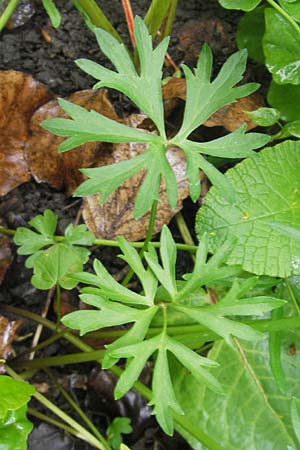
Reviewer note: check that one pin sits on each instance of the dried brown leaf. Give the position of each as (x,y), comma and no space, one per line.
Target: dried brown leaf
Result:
(174,89)
(5,253)
(20,96)
(7,334)
(116,217)
(61,170)
(234,115)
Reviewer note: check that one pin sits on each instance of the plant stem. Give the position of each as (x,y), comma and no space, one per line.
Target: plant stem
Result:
(109,242)
(284,14)
(184,231)
(5,16)
(82,432)
(146,242)
(97,17)
(168,23)
(292,295)
(45,418)
(58,304)
(263,325)
(51,361)
(79,411)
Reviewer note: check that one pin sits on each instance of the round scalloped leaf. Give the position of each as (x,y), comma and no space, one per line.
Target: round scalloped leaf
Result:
(267,192)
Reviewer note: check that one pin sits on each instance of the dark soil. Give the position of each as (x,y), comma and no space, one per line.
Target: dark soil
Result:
(25,49)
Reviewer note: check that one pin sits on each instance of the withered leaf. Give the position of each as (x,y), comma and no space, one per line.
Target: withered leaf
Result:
(7,334)
(115,217)
(20,96)
(5,253)
(61,170)
(234,115)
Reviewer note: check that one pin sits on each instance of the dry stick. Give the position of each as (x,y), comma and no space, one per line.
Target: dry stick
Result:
(39,328)
(129,20)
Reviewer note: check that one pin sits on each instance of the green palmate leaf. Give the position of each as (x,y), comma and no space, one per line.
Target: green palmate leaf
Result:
(132,257)
(234,145)
(286,98)
(264,117)
(165,273)
(111,289)
(205,97)
(253,413)
(90,126)
(164,400)
(110,314)
(244,5)
(251,30)
(281,45)
(119,426)
(52,12)
(269,192)
(30,242)
(78,235)
(143,89)
(108,178)
(54,264)
(13,394)
(14,429)
(45,224)
(213,317)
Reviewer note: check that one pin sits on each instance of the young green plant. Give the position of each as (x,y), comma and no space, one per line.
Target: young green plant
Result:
(203,98)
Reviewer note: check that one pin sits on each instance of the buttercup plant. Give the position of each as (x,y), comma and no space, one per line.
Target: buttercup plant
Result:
(118,305)
(203,98)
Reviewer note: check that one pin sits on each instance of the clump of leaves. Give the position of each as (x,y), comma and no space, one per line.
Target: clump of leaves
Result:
(53,260)
(117,305)
(271,33)
(203,98)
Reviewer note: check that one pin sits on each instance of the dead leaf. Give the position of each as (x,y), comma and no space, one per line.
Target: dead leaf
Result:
(20,96)
(61,170)
(7,334)
(174,89)
(5,253)
(234,115)
(115,217)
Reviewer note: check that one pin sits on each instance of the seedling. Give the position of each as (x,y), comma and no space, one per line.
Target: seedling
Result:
(203,98)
